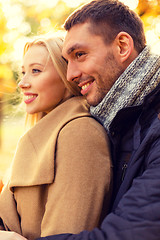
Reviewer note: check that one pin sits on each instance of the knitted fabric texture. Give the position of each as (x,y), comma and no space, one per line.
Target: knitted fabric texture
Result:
(139,79)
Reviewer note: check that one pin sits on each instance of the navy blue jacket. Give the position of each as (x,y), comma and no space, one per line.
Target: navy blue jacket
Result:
(135,207)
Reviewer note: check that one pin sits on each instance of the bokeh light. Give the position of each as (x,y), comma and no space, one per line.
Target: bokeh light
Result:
(76,3)
(19,27)
(132,4)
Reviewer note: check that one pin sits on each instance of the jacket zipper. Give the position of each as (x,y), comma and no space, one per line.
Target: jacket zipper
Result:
(124,168)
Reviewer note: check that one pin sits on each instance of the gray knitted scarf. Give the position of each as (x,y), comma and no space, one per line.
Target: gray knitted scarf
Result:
(139,79)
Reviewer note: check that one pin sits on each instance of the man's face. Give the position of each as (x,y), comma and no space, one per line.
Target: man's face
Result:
(93,64)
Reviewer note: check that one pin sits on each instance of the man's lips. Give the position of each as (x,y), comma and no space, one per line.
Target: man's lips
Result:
(85,86)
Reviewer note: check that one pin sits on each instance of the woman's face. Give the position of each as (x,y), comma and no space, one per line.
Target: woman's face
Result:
(42,87)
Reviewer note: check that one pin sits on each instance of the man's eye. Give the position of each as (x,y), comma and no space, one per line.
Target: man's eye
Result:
(34,70)
(23,73)
(79,54)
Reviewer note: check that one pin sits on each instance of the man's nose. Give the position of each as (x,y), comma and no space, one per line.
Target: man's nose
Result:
(73,72)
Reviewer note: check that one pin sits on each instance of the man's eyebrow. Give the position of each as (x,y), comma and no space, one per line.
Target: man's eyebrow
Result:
(73,48)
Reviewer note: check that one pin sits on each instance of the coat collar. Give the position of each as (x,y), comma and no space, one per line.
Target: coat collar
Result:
(34,161)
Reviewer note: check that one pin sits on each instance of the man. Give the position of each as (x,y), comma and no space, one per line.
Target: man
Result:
(108,58)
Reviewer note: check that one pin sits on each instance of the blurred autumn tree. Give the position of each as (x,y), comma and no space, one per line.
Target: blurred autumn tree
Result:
(21,19)
(7,83)
(149,11)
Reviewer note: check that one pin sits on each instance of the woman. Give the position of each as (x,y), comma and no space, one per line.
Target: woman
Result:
(61,171)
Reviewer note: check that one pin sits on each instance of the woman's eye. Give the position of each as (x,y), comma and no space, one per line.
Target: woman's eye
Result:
(23,73)
(34,70)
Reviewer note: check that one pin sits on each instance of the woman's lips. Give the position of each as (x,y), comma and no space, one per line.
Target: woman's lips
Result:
(28,98)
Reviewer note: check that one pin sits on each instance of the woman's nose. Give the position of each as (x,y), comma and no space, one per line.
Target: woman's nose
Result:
(23,84)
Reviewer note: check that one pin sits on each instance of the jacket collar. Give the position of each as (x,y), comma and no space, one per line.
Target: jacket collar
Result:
(129,115)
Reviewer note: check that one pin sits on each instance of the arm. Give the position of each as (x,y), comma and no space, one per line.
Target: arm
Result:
(82,180)
(138,213)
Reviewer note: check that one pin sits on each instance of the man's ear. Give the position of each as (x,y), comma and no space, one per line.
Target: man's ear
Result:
(125,46)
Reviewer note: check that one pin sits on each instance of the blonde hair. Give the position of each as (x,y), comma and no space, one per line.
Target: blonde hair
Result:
(54,47)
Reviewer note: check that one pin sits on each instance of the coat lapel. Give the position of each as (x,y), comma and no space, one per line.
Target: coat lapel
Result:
(34,161)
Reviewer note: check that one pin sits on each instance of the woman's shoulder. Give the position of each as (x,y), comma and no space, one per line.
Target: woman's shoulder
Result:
(81,117)
(88,124)
(75,106)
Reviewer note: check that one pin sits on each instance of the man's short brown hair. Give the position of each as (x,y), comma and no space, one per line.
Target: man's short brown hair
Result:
(108,18)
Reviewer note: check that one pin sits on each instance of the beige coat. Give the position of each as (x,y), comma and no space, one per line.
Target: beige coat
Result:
(60,175)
